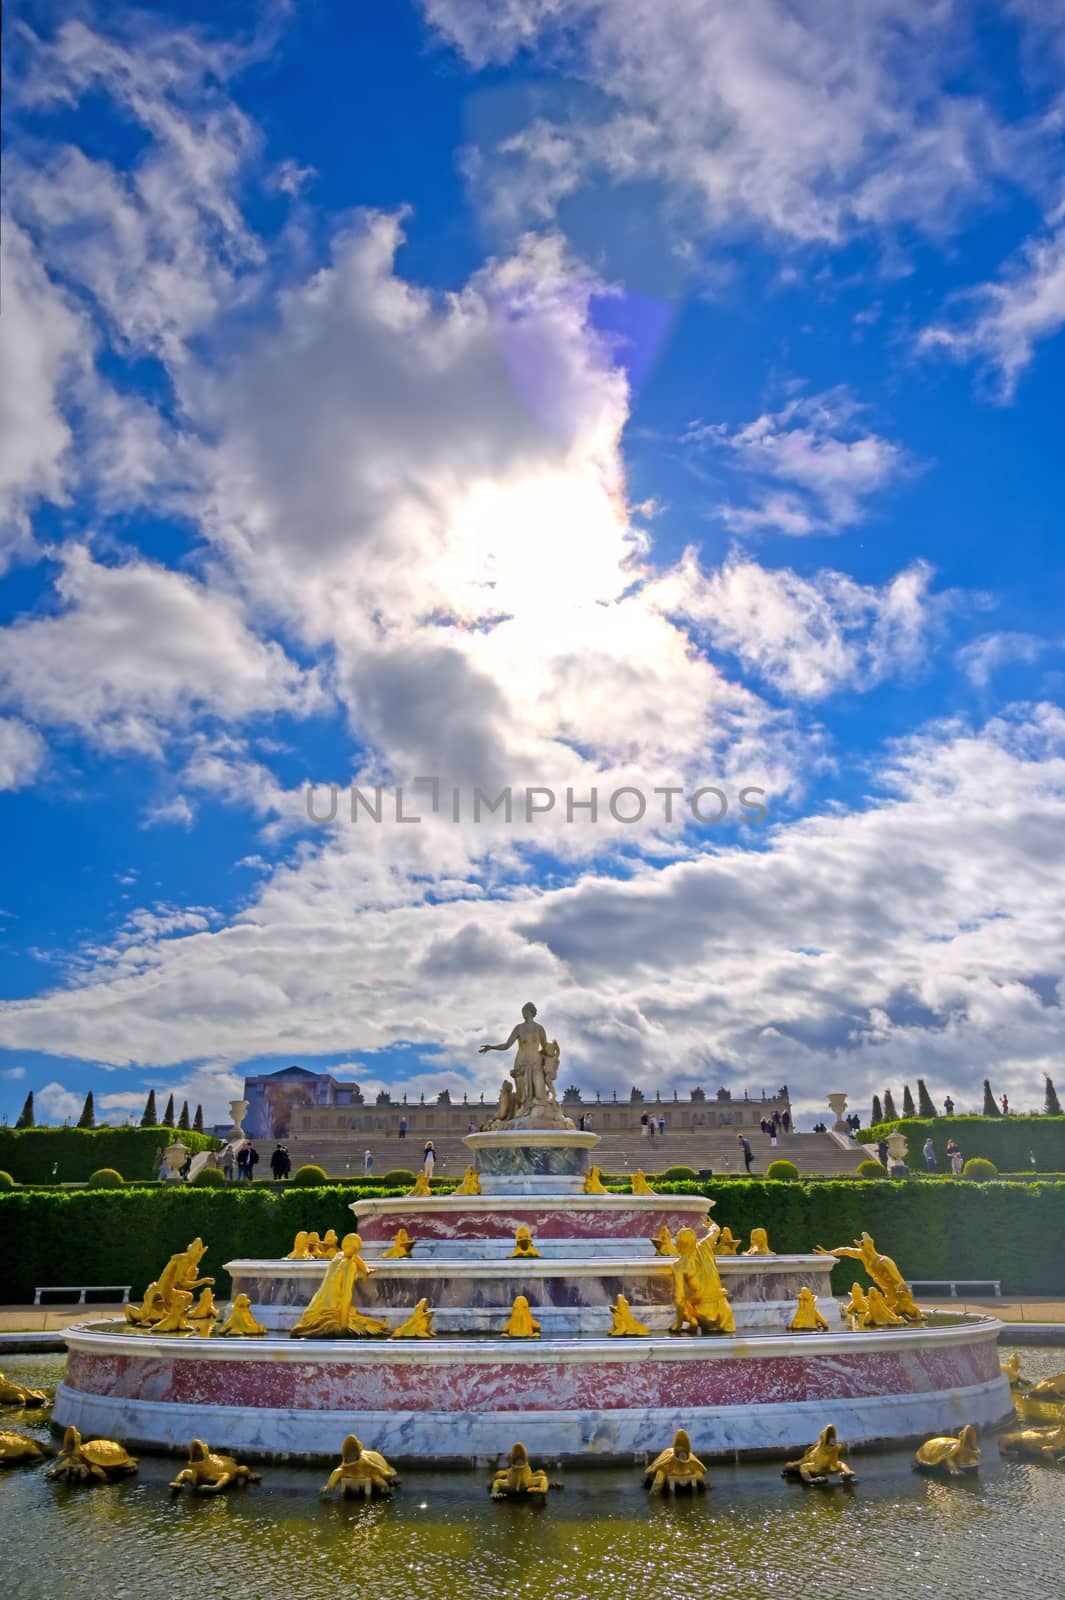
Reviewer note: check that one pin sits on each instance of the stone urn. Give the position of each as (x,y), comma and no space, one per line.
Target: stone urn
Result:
(896,1147)
(175,1155)
(838,1105)
(238,1110)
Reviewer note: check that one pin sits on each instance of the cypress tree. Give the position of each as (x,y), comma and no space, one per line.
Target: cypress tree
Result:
(88,1113)
(908,1107)
(990,1108)
(1051,1106)
(197,1121)
(150,1117)
(25,1116)
(890,1114)
(877,1112)
(168,1114)
(183,1120)
(925,1104)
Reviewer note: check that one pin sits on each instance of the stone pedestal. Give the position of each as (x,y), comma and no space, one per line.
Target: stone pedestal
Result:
(532,1160)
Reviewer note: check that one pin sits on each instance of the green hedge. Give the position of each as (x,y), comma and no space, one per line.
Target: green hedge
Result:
(29,1154)
(1004,1140)
(934,1230)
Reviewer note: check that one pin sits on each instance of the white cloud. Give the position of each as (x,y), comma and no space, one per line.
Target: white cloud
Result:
(13,1072)
(981,659)
(176,810)
(57,1103)
(22,753)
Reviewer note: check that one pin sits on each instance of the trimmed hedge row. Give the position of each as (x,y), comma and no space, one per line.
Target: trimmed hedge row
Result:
(934,1230)
(29,1154)
(1007,1141)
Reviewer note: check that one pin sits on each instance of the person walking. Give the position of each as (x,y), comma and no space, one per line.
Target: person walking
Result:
(661,1126)
(748,1153)
(403,1127)
(785,1122)
(643,1126)
(954,1156)
(242,1163)
(428,1159)
(277,1163)
(882,1152)
(930,1154)
(650,1130)
(227,1162)
(773,1134)
(1005,1105)
(367,1163)
(251,1162)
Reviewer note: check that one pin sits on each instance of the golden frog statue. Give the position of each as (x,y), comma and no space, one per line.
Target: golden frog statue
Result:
(948,1454)
(301,1250)
(330,1313)
(329,1246)
(91,1461)
(1044,1444)
(175,1318)
(14,1394)
(623,1324)
(419,1325)
(1011,1369)
(205,1309)
(241,1324)
(807,1318)
(314,1245)
(593,1182)
(207,1473)
(18,1449)
(725,1244)
(471,1183)
(523,1243)
(150,1311)
(702,1306)
(821,1462)
(518,1479)
(640,1184)
(179,1276)
(521,1324)
(884,1273)
(676,1468)
(421,1190)
(878,1314)
(759,1245)
(400,1248)
(857,1307)
(1048,1388)
(361,1471)
(663,1242)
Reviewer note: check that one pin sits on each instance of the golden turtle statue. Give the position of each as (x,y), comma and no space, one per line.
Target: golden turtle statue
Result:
(821,1462)
(361,1471)
(1044,1444)
(15,1394)
(18,1449)
(207,1473)
(518,1480)
(807,1318)
(949,1454)
(676,1468)
(91,1461)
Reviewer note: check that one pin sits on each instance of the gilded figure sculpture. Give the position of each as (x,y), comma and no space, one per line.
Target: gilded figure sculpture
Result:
(857,1307)
(151,1309)
(241,1324)
(623,1324)
(301,1250)
(878,1314)
(677,1468)
(531,1101)
(18,1450)
(807,1318)
(725,1244)
(208,1473)
(419,1325)
(593,1182)
(523,1243)
(422,1189)
(314,1245)
(518,1480)
(16,1394)
(1011,1369)
(330,1313)
(701,1303)
(663,1242)
(949,1454)
(640,1184)
(759,1245)
(822,1462)
(521,1324)
(1048,1388)
(361,1472)
(175,1318)
(205,1309)
(181,1273)
(400,1248)
(471,1183)
(1046,1445)
(91,1461)
(329,1246)
(884,1273)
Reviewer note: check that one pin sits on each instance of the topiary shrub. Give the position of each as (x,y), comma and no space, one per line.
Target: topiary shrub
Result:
(678,1174)
(979,1169)
(870,1169)
(782,1172)
(209,1178)
(105,1178)
(6,1181)
(399,1176)
(309,1176)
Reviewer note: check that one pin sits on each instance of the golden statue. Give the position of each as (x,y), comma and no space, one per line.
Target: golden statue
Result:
(759,1245)
(240,1324)
(663,1242)
(521,1324)
(330,1314)
(878,1314)
(400,1248)
(204,1309)
(1048,1388)
(676,1468)
(517,1479)
(884,1273)
(364,1472)
(1045,1444)
(314,1245)
(471,1183)
(328,1247)
(18,1449)
(807,1318)
(593,1182)
(14,1394)
(419,1325)
(175,1320)
(150,1311)
(640,1184)
(725,1244)
(207,1473)
(821,1461)
(701,1303)
(301,1250)
(421,1190)
(180,1273)
(857,1307)
(92,1461)
(623,1324)
(523,1243)
(1011,1369)
(945,1453)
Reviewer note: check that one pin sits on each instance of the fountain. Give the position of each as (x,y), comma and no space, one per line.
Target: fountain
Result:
(632,1327)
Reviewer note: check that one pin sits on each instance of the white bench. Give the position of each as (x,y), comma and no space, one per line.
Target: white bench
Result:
(81,1290)
(954,1283)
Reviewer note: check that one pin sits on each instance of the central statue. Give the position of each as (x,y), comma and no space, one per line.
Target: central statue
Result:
(530,1101)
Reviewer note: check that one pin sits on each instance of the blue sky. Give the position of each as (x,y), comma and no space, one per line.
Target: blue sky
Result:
(564,394)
